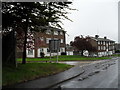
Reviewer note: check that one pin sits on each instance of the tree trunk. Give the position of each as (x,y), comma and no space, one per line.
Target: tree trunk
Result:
(36,52)
(25,42)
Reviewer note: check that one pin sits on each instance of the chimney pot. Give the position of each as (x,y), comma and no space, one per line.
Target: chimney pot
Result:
(105,37)
(96,36)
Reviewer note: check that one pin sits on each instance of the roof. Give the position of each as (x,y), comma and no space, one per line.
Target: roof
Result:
(50,28)
(102,39)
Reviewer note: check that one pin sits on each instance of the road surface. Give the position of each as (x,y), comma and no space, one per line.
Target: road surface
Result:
(105,76)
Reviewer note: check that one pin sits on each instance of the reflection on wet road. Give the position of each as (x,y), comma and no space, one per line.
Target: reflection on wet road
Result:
(106,76)
(76,62)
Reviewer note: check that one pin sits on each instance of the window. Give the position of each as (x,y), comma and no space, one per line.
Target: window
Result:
(41,50)
(103,43)
(30,52)
(109,43)
(98,47)
(47,40)
(48,32)
(41,38)
(61,33)
(98,42)
(48,50)
(113,47)
(61,50)
(109,47)
(56,39)
(104,47)
(55,32)
(61,40)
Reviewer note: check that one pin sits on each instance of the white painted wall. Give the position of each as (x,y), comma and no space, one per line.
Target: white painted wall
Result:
(69,52)
(48,53)
(62,49)
(33,55)
(100,54)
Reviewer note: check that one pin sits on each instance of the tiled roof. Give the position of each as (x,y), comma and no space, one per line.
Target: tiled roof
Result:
(102,39)
(50,28)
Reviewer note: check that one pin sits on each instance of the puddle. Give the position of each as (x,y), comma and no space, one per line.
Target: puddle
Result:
(76,62)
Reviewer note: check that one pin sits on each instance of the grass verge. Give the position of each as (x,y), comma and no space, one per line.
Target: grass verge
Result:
(30,71)
(116,55)
(66,58)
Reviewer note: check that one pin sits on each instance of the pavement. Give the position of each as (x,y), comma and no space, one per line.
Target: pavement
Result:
(54,80)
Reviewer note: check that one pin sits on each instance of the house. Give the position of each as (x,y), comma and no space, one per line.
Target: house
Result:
(41,42)
(117,47)
(69,49)
(104,46)
(99,47)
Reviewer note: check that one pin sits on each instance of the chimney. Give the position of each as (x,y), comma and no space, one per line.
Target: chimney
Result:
(96,36)
(105,37)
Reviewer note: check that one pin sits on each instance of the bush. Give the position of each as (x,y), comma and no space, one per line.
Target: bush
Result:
(117,51)
(42,54)
(63,53)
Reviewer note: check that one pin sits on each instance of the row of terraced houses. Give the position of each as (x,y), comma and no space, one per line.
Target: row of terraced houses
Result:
(104,46)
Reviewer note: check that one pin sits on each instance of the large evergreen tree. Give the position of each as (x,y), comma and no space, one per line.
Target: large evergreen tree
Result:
(28,16)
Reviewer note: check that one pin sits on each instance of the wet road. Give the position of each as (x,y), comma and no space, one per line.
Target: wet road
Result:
(101,75)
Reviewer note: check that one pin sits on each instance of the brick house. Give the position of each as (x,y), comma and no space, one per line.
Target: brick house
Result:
(41,42)
(104,46)
(69,49)
(117,46)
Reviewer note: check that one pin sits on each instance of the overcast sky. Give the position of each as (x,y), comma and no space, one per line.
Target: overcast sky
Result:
(93,17)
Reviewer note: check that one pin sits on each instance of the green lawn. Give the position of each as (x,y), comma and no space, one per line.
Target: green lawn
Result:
(116,55)
(66,58)
(30,71)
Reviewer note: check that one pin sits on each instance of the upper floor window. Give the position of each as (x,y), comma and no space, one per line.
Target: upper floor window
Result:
(56,39)
(98,42)
(55,32)
(47,40)
(61,40)
(61,33)
(103,43)
(109,43)
(104,47)
(42,38)
(113,47)
(48,32)
(98,47)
